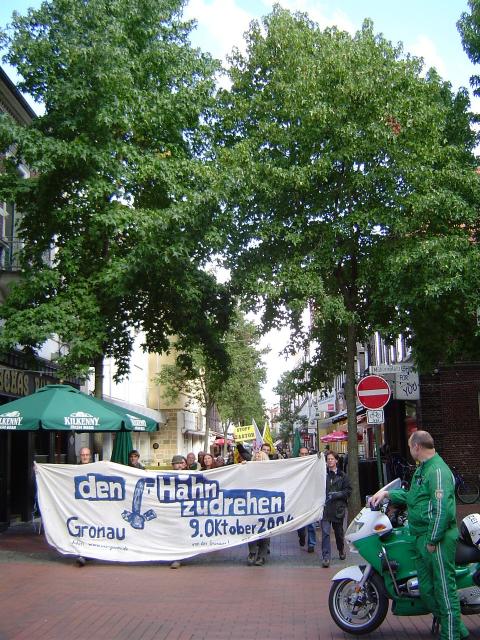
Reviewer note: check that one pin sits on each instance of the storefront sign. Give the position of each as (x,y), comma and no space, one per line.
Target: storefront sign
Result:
(113,512)
(382,369)
(327,405)
(407,386)
(14,382)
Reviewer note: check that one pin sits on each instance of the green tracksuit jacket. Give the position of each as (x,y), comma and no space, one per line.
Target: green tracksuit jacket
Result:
(431,520)
(430,500)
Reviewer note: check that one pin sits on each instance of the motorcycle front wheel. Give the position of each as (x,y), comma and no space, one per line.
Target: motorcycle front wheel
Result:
(358,612)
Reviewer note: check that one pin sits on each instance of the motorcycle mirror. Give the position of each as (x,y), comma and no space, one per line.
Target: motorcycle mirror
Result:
(372,508)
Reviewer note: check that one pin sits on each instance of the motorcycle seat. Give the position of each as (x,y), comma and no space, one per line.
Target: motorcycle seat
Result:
(466,553)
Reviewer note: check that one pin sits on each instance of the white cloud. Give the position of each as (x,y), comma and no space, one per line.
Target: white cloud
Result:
(425,48)
(320,14)
(221,24)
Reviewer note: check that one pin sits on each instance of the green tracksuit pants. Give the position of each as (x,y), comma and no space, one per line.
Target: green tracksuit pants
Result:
(438,590)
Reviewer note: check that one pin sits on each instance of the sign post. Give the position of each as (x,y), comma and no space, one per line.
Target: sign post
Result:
(373,392)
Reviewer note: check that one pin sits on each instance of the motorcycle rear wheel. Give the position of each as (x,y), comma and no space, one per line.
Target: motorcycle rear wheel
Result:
(371,605)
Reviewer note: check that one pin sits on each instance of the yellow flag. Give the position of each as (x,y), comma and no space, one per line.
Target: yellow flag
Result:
(267,437)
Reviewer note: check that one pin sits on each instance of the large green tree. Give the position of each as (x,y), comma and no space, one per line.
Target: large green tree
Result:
(119,195)
(469,27)
(288,391)
(234,390)
(351,191)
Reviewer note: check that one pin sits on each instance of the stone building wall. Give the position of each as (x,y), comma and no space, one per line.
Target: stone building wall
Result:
(167,439)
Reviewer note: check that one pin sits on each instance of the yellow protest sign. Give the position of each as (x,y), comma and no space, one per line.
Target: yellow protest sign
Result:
(245,433)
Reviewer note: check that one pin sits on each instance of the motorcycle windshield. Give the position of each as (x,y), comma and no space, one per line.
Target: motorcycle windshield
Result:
(394,484)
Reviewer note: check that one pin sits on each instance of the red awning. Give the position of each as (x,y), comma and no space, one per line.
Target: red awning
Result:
(222,441)
(338,436)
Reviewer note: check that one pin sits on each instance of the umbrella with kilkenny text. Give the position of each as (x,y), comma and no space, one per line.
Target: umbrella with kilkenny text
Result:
(61,407)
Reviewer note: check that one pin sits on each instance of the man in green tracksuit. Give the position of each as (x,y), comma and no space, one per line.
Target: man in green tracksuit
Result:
(432,521)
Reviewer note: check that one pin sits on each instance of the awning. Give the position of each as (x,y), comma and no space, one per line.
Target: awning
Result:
(221,441)
(343,414)
(158,416)
(338,436)
(327,422)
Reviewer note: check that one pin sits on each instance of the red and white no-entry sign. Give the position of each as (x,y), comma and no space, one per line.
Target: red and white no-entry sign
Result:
(373,392)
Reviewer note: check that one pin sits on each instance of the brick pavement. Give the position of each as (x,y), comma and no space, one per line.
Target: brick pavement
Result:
(44,596)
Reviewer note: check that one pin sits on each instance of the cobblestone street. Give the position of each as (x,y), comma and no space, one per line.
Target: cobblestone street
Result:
(45,596)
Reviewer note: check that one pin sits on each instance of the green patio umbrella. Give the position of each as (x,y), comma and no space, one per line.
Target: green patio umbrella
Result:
(122,447)
(296,444)
(60,407)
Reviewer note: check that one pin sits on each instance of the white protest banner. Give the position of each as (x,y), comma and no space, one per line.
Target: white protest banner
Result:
(113,512)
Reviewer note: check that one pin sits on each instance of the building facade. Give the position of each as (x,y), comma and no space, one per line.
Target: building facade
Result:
(21,375)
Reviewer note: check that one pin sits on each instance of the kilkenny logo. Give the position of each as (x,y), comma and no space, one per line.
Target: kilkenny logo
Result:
(81,420)
(138,423)
(10,420)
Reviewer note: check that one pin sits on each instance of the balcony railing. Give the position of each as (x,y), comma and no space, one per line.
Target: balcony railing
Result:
(10,254)
(10,250)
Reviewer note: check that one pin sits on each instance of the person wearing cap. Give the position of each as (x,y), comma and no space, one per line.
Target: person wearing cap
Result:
(179,463)
(133,459)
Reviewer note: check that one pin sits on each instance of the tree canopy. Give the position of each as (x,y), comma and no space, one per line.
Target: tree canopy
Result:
(350,190)
(288,391)
(119,195)
(469,27)
(235,390)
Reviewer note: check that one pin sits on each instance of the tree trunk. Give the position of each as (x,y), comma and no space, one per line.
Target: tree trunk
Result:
(208,416)
(98,364)
(354,504)
(95,440)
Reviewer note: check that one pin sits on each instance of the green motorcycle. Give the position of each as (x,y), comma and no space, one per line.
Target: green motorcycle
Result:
(359,596)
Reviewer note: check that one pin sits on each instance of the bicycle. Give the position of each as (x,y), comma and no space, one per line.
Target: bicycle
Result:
(402,469)
(466,491)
